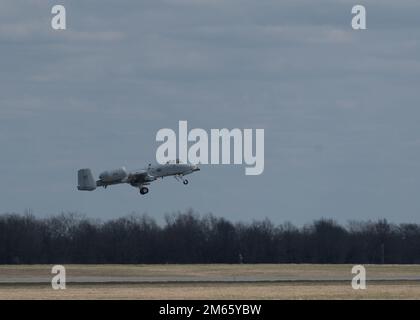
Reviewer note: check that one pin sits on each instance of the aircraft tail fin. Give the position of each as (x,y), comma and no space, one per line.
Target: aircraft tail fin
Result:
(85,180)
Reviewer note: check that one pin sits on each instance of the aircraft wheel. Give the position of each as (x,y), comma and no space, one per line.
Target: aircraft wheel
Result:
(144,190)
(185,182)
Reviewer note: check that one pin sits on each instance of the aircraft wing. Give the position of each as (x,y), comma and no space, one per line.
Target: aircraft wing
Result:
(140,177)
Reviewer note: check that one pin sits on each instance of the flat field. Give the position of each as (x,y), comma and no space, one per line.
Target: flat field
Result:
(262,281)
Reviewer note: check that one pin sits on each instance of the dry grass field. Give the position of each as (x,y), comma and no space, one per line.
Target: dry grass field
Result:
(214,291)
(211,282)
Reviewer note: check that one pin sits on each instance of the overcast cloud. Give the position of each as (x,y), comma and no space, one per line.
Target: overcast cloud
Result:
(340,108)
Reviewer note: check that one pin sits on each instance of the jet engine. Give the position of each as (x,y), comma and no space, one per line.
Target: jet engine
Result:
(113,175)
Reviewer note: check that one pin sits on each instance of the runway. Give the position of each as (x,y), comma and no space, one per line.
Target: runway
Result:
(179,279)
(138,274)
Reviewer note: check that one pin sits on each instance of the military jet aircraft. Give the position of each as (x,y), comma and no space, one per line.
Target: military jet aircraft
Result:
(138,179)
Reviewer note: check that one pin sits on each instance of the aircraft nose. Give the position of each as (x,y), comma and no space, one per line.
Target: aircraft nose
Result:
(196,168)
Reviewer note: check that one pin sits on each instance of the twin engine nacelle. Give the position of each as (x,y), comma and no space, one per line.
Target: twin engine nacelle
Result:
(113,175)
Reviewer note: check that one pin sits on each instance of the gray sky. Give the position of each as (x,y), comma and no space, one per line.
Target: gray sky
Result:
(340,108)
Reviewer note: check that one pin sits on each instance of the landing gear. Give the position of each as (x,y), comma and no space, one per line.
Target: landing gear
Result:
(144,190)
(181,178)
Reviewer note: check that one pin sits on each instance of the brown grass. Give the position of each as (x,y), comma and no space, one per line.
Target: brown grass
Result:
(295,271)
(303,289)
(214,291)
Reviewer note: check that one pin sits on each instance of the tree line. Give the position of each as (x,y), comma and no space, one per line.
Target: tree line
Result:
(187,237)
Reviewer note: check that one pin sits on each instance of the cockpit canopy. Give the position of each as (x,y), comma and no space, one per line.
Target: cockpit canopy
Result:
(177,161)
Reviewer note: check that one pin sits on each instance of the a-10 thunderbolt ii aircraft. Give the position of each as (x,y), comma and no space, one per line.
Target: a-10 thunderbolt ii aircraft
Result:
(138,179)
